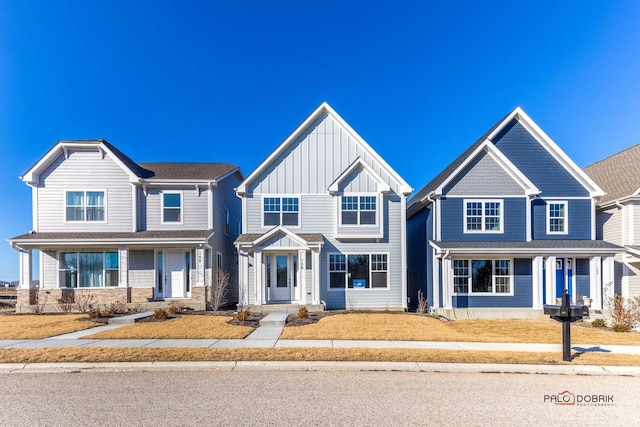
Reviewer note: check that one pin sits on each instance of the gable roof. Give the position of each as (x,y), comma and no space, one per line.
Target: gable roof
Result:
(383,187)
(421,198)
(617,174)
(137,172)
(323,108)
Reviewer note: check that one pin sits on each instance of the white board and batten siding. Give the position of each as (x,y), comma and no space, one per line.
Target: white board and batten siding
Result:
(83,170)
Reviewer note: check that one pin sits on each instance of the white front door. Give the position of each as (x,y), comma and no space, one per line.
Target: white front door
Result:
(174,275)
(281,276)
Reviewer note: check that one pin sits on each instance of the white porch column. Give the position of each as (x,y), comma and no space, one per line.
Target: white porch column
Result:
(257,274)
(624,281)
(123,267)
(25,269)
(315,288)
(608,285)
(595,283)
(200,263)
(447,282)
(536,282)
(243,274)
(550,278)
(302,276)
(435,298)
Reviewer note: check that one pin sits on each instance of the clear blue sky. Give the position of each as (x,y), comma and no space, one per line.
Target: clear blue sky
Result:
(227,81)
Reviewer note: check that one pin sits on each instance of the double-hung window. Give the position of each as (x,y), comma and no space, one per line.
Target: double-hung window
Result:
(358,271)
(88,269)
(358,210)
(482,276)
(483,216)
(171,207)
(85,206)
(557,218)
(281,211)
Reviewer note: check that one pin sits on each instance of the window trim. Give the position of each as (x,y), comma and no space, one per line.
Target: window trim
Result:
(483,217)
(281,196)
(469,276)
(565,203)
(162,207)
(85,206)
(358,211)
(77,269)
(346,272)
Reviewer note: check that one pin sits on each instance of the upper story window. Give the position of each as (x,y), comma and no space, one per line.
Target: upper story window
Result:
(172,207)
(358,210)
(85,206)
(483,216)
(281,211)
(557,218)
(482,276)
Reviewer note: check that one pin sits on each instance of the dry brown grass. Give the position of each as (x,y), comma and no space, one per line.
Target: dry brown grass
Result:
(408,327)
(185,327)
(36,326)
(97,354)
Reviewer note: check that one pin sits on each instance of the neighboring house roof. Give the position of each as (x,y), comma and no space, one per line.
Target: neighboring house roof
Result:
(617,174)
(533,246)
(421,198)
(136,171)
(323,108)
(110,238)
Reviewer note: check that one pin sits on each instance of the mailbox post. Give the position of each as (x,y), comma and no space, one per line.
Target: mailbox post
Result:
(566,313)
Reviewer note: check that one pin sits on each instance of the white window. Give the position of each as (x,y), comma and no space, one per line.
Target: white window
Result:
(171,207)
(88,269)
(557,218)
(358,271)
(483,276)
(85,206)
(483,216)
(281,211)
(358,210)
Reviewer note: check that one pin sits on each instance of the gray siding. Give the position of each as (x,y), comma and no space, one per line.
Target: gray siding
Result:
(194,209)
(141,268)
(483,177)
(84,170)
(49,275)
(583,282)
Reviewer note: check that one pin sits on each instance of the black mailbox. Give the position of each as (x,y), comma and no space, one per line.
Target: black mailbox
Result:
(566,313)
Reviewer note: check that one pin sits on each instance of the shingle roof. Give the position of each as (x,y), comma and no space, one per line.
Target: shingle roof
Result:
(308,237)
(617,174)
(100,237)
(206,171)
(596,245)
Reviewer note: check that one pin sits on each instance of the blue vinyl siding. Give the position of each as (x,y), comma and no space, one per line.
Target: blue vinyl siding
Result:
(522,290)
(417,258)
(537,163)
(579,221)
(583,285)
(452,222)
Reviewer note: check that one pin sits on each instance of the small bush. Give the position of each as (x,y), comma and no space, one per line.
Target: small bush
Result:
(422,304)
(175,307)
(620,328)
(243,315)
(119,307)
(598,323)
(94,314)
(66,303)
(303,313)
(159,314)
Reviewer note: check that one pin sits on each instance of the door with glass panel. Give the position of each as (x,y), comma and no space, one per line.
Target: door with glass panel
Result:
(281,276)
(173,274)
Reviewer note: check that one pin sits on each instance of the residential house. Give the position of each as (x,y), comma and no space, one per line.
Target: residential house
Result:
(618,214)
(507,227)
(324,223)
(126,231)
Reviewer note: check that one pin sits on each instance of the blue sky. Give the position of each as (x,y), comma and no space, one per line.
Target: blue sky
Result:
(228,81)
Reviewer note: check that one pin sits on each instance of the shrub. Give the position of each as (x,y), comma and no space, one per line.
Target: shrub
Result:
(159,314)
(422,304)
(94,314)
(84,300)
(625,313)
(303,313)
(243,315)
(620,328)
(175,307)
(598,323)
(66,303)
(219,289)
(119,307)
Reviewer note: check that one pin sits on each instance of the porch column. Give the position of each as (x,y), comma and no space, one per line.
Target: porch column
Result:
(200,263)
(595,283)
(243,274)
(260,298)
(447,282)
(25,269)
(608,285)
(123,267)
(315,289)
(302,276)
(536,282)
(550,278)
(437,284)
